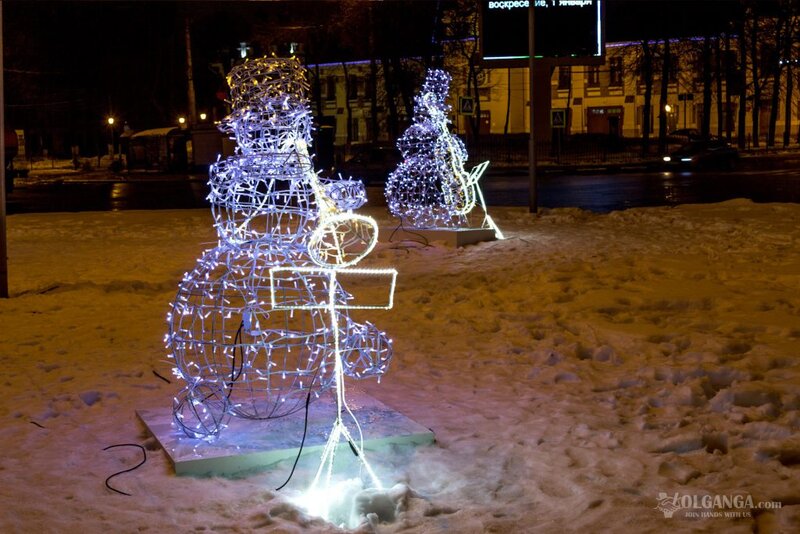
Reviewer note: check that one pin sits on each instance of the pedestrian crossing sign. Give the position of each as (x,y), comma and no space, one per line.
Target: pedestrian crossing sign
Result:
(466,105)
(558,118)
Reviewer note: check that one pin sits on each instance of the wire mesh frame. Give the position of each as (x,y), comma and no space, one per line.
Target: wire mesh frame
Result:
(238,356)
(430,187)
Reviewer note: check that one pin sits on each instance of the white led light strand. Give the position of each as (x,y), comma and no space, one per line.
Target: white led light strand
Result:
(239,355)
(430,188)
(340,240)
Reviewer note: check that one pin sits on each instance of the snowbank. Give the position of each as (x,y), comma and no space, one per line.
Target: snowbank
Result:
(572,374)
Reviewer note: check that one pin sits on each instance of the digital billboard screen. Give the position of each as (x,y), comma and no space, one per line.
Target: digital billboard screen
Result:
(564,29)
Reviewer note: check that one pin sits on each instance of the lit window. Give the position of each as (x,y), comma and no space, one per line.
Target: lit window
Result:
(330,88)
(564,77)
(615,71)
(593,77)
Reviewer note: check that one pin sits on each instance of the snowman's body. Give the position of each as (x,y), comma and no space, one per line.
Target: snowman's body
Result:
(430,188)
(238,355)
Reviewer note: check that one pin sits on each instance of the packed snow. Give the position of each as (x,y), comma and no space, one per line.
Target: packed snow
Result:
(579,376)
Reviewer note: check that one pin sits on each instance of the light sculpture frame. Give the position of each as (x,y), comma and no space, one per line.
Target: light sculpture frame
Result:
(240,352)
(431,189)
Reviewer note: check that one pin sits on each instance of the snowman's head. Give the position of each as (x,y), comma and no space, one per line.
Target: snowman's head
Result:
(268,97)
(264,193)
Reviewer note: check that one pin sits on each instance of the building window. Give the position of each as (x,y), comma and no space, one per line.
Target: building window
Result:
(564,77)
(643,75)
(640,118)
(593,77)
(368,126)
(330,88)
(353,87)
(369,87)
(615,71)
(354,129)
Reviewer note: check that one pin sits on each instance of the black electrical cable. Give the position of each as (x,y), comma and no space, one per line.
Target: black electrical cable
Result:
(236,340)
(137,466)
(302,441)
(167,380)
(234,375)
(425,242)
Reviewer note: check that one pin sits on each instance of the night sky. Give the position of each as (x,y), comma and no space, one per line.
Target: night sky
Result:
(68,65)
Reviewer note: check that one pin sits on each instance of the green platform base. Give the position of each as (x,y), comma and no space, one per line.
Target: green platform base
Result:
(247,445)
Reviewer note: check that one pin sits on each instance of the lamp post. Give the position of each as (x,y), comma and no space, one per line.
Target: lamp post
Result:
(182,122)
(668,111)
(111,133)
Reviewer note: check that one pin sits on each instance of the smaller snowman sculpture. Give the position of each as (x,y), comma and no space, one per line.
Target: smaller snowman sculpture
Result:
(257,330)
(430,188)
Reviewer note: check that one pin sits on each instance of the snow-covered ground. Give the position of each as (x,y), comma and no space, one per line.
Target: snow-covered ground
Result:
(572,373)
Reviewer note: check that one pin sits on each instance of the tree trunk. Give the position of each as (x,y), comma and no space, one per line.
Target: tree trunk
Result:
(720,114)
(728,82)
(774,103)
(647,69)
(317,89)
(742,113)
(475,119)
(662,101)
(190,97)
(777,70)
(407,90)
(787,112)
(705,125)
(391,102)
(373,100)
(756,108)
(404,86)
(348,109)
(373,78)
(508,102)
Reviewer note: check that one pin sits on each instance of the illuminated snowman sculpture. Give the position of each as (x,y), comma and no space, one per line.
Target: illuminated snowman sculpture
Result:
(261,326)
(430,188)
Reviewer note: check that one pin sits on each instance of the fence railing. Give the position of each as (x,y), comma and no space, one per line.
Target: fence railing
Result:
(512,150)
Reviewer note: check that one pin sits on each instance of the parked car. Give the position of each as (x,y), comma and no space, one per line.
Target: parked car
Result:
(370,163)
(698,154)
(684,135)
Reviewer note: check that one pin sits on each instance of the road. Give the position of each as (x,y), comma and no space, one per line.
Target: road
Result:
(609,192)
(595,192)
(93,195)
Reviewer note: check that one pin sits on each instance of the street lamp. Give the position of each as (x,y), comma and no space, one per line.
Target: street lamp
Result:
(110,121)
(203,116)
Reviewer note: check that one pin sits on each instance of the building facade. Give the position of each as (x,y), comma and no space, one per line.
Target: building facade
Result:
(605,99)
